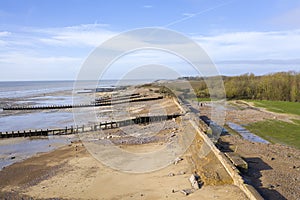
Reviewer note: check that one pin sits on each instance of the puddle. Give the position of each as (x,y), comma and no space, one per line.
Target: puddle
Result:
(37,120)
(14,150)
(246,134)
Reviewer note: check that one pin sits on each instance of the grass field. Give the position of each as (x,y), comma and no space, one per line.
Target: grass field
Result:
(202,99)
(278,131)
(279,106)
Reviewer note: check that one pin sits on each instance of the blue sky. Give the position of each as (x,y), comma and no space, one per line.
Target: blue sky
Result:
(50,39)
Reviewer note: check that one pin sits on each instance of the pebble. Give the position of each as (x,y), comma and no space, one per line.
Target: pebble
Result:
(171,174)
(181,172)
(177,160)
(270,186)
(186,192)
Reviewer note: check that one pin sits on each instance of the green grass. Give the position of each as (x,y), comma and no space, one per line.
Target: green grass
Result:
(202,99)
(278,131)
(279,106)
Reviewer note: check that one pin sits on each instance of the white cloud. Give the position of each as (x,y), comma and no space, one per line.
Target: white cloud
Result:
(25,59)
(188,14)
(4,33)
(51,49)
(147,6)
(252,45)
(17,66)
(90,35)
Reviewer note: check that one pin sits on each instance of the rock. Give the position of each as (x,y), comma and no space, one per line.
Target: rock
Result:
(186,192)
(194,182)
(181,172)
(177,160)
(171,174)
(13,157)
(270,186)
(172,134)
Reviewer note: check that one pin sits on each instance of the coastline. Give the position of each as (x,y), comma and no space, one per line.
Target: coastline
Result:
(73,172)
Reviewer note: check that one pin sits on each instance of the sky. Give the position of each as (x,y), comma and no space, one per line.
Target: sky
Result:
(52,39)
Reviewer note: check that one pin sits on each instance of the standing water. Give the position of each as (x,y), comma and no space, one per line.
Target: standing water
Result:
(37,93)
(246,134)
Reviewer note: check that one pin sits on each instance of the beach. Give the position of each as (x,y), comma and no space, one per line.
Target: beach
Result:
(148,160)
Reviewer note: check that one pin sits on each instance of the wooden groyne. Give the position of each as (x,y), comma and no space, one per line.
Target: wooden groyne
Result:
(119,97)
(88,128)
(99,103)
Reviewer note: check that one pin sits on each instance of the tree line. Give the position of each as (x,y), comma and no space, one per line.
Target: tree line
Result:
(281,86)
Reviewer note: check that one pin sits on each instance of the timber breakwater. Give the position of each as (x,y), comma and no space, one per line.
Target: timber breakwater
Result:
(98,102)
(88,128)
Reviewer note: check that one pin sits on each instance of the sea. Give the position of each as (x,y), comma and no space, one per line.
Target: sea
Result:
(42,93)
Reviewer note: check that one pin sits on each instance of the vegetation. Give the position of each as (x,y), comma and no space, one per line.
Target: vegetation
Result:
(203,99)
(279,106)
(283,86)
(278,131)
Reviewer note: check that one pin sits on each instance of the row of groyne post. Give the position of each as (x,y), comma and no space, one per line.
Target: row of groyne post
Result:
(88,128)
(94,104)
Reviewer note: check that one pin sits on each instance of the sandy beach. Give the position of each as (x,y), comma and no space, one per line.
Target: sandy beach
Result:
(89,167)
(74,172)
